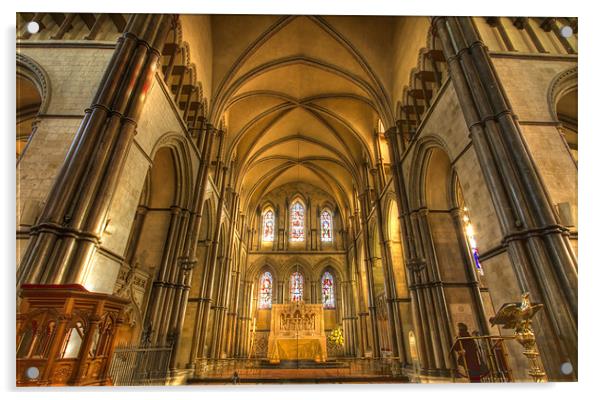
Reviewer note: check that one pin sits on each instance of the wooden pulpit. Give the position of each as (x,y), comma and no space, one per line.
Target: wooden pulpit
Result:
(66,335)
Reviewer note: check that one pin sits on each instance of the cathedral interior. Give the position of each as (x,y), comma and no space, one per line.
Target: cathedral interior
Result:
(217,198)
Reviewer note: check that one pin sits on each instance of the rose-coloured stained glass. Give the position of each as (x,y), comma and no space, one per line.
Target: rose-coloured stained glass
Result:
(328,290)
(268,226)
(296,287)
(265,290)
(326,223)
(297,222)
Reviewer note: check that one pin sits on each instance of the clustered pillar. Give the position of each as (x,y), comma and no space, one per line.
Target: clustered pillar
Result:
(75,214)
(431,359)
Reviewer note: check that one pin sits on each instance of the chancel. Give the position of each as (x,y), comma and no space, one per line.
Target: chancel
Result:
(299,198)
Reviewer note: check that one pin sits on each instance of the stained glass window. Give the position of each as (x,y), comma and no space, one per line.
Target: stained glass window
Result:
(296,286)
(265,290)
(326,223)
(268,226)
(327,290)
(297,222)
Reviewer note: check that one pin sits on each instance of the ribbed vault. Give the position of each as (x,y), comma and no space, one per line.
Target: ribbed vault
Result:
(300,103)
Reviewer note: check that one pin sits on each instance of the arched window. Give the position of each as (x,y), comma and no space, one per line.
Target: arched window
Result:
(326,224)
(472,242)
(328,290)
(296,286)
(265,290)
(268,225)
(297,222)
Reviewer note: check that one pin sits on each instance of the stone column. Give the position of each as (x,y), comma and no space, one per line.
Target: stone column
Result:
(314,292)
(218,173)
(276,228)
(160,287)
(232,318)
(435,294)
(280,299)
(247,318)
(259,224)
(189,260)
(218,307)
(242,319)
(393,317)
(135,234)
(228,281)
(365,204)
(414,261)
(74,216)
(209,282)
(287,214)
(178,283)
(538,245)
(358,294)
(348,319)
(194,348)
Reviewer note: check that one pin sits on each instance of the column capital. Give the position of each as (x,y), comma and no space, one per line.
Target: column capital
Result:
(416,264)
(391,132)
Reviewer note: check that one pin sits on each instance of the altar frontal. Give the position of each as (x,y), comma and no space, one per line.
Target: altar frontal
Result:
(297,333)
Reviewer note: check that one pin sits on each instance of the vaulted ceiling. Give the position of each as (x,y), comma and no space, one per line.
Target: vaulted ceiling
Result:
(300,98)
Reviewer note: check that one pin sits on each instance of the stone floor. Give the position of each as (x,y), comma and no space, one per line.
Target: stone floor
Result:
(337,372)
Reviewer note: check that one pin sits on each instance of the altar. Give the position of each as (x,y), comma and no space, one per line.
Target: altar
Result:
(297,333)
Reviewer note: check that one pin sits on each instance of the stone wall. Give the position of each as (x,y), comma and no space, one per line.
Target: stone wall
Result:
(528,93)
